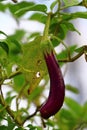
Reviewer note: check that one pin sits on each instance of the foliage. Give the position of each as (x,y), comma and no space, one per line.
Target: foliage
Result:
(27,57)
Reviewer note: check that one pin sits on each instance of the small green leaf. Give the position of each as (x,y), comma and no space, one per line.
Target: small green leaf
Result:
(70,16)
(31,127)
(3,6)
(62,31)
(19,128)
(3,127)
(53,4)
(81,49)
(40,17)
(84,113)
(50,123)
(11,124)
(74,106)
(4,46)
(66,114)
(64,54)
(18,45)
(72,89)
(19,81)
(71,2)
(34,35)
(15,7)
(3,33)
(71,27)
(39,7)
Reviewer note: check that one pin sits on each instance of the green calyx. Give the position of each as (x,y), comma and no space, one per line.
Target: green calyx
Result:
(46,46)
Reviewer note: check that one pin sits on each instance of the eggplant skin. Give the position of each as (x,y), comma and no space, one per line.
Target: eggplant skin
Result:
(57,87)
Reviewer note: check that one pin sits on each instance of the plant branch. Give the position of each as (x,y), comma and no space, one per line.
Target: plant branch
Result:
(20,94)
(14,74)
(59,5)
(30,116)
(81,126)
(67,48)
(6,106)
(46,29)
(73,58)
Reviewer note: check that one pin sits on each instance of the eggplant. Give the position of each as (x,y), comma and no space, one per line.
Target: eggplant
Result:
(57,87)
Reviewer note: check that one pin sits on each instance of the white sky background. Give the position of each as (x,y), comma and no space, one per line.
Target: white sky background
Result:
(77,71)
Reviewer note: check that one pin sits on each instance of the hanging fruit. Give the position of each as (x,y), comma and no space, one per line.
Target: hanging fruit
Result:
(57,87)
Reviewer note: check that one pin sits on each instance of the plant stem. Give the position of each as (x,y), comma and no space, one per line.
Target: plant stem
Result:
(67,48)
(46,29)
(10,112)
(14,74)
(30,116)
(20,94)
(72,59)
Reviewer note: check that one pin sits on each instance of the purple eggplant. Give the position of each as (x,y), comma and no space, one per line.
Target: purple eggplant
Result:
(57,87)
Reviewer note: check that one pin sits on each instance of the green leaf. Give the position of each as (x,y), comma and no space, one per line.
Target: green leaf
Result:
(39,7)
(40,17)
(15,7)
(9,98)
(34,35)
(3,127)
(79,15)
(74,106)
(53,4)
(33,62)
(19,128)
(81,49)
(66,119)
(1,0)
(18,35)
(4,46)
(3,7)
(71,2)
(31,127)
(70,16)
(71,27)
(3,33)
(19,81)
(62,31)
(84,112)
(18,45)
(35,94)
(11,124)
(64,54)
(66,114)
(50,123)
(72,89)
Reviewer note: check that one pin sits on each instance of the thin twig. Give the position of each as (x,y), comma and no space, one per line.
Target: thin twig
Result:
(67,48)
(81,126)
(43,123)
(30,116)
(20,94)
(9,111)
(73,58)
(14,74)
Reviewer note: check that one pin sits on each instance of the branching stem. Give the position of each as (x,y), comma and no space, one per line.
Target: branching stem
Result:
(20,94)
(30,116)
(10,112)
(72,59)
